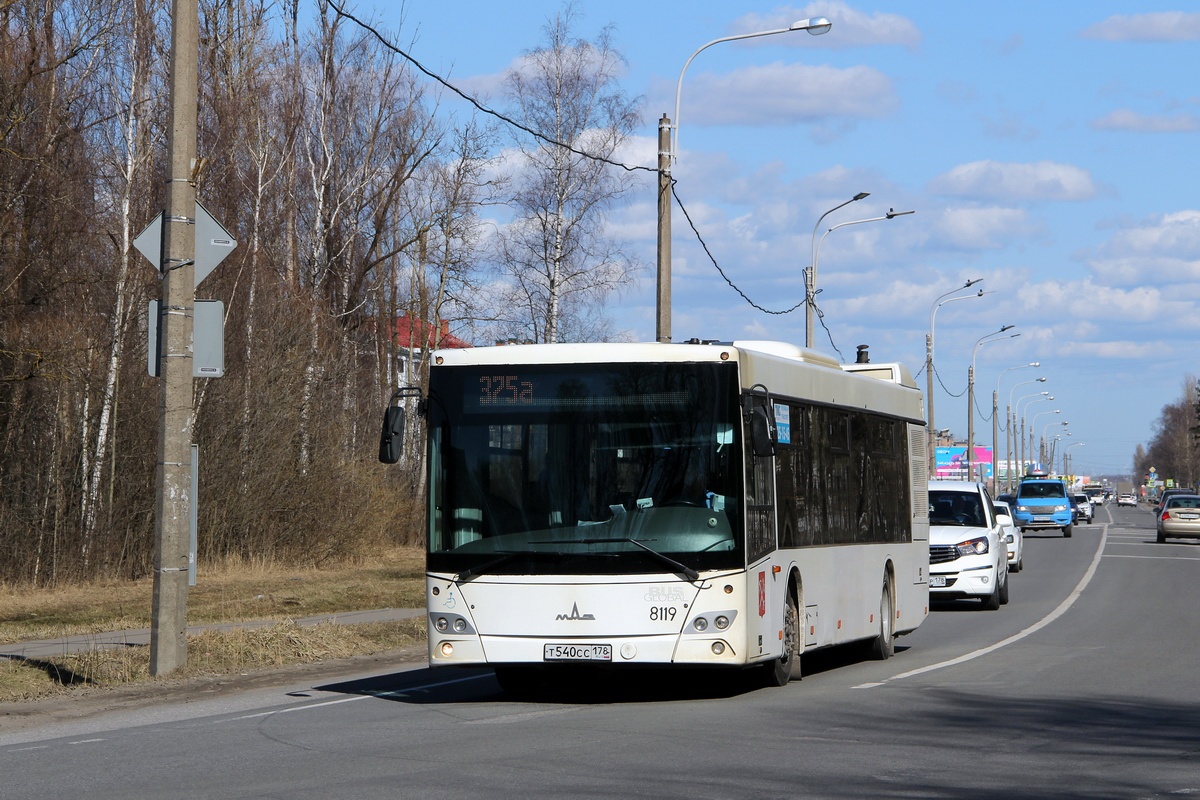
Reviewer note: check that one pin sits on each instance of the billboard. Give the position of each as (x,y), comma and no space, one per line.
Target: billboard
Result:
(950,463)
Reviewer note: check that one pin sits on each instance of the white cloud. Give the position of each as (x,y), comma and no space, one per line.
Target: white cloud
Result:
(1176,234)
(981,228)
(851,27)
(783,94)
(1123,119)
(1164,250)
(1042,180)
(1161,26)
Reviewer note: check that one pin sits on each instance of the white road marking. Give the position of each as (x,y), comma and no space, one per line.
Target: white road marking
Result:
(1037,626)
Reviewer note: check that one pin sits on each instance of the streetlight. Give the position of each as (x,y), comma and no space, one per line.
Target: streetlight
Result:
(994,336)
(1066,458)
(810,284)
(1046,396)
(668,149)
(1044,443)
(811,278)
(1011,420)
(1033,427)
(938,303)
(1007,428)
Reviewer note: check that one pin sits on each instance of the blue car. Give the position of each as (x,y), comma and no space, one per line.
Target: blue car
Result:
(1042,503)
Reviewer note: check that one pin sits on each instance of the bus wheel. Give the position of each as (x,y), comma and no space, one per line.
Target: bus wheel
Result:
(787,666)
(883,646)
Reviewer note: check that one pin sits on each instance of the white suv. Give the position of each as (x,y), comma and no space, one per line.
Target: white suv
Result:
(1086,509)
(967,553)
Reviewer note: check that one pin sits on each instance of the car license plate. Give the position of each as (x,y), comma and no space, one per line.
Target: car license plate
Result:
(577,652)
(937,580)
(1189,516)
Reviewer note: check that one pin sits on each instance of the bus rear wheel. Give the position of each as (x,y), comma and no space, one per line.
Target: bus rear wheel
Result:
(783,669)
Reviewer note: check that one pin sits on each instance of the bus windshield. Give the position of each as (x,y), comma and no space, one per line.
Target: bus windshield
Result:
(571,469)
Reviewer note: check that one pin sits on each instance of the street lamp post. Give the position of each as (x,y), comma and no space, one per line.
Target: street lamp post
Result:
(1007,427)
(668,150)
(994,336)
(810,285)
(1011,419)
(1066,457)
(938,303)
(1045,443)
(1033,427)
(811,278)
(1045,396)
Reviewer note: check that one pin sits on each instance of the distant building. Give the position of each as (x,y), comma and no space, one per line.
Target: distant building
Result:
(414,338)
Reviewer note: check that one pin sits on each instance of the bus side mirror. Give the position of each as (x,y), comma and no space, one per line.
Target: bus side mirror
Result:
(761,443)
(391,440)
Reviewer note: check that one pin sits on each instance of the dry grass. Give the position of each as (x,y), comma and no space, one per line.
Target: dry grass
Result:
(227,593)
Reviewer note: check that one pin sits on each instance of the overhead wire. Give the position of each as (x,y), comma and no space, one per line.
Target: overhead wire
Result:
(342,12)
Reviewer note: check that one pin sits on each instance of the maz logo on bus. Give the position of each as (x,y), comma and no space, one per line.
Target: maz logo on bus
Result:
(504,390)
(575,615)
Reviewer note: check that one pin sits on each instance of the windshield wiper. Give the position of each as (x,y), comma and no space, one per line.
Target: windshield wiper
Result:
(487,566)
(691,574)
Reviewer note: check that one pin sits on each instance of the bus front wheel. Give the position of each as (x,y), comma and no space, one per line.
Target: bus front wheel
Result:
(787,666)
(883,646)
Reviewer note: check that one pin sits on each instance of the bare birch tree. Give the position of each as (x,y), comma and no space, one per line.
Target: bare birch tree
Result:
(129,68)
(558,261)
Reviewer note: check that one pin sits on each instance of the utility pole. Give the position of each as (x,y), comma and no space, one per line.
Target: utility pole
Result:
(168,642)
(995,439)
(663,307)
(929,403)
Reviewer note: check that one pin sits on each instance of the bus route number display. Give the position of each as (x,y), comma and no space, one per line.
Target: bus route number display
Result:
(504,390)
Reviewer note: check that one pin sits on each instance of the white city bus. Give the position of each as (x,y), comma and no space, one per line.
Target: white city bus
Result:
(699,504)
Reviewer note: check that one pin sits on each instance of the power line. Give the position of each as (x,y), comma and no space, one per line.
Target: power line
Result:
(342,12)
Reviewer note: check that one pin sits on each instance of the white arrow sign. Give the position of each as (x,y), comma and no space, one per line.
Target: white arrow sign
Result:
(213,243)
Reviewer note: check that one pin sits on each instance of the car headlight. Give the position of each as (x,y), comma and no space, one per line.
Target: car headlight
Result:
(974,547)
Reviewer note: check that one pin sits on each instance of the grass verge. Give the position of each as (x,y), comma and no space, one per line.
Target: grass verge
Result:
(231,592)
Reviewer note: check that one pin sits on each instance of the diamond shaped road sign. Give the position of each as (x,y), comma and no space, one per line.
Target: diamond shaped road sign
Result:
(213,243)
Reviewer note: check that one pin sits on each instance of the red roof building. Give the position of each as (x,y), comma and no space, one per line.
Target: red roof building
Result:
(420,335)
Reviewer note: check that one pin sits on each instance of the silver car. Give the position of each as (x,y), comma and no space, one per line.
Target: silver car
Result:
(1012,536)
(1086,510)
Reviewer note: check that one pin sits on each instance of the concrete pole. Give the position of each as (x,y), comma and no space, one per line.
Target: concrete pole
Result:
(929,403)
(1022,442)
(663,306)
(168,643)
(1008,448)
(995,438)
(970,422)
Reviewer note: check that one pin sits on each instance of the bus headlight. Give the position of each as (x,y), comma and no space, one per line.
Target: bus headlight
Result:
(718,648)
(447,649)
(722,622)
(443,623)
(701,624)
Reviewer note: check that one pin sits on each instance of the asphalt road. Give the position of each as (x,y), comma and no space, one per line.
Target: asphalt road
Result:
(1084,686)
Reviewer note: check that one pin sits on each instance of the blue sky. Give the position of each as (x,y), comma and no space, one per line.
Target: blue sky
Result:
(1048,148)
